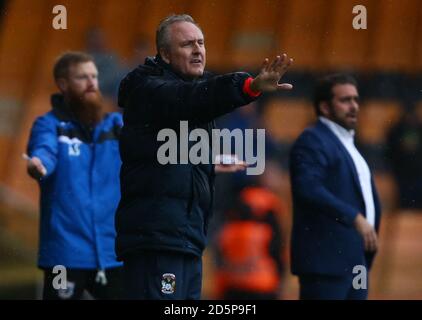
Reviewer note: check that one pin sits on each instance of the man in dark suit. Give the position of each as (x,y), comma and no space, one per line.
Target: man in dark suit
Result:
(335,203)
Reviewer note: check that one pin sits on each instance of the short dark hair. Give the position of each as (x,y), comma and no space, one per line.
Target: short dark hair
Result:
(324,88)
(161,36)
(64,61)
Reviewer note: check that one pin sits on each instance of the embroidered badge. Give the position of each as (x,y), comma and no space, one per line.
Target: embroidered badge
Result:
(168,283)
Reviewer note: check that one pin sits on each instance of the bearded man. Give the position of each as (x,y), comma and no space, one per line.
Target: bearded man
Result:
(73,154)
(336,209)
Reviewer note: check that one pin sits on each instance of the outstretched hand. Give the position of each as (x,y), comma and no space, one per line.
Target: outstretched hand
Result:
(35,167)
(270,75)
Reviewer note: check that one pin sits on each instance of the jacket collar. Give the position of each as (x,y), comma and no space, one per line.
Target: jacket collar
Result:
(60,109)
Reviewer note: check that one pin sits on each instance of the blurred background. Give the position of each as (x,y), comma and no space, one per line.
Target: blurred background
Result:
(386,58)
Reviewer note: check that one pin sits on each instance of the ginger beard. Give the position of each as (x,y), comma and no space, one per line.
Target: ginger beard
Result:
(87,106)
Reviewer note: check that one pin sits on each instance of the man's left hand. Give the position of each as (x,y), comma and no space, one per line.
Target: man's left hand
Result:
(268,78)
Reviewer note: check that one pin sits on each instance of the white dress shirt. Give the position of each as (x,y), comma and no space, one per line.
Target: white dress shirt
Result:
(347,139)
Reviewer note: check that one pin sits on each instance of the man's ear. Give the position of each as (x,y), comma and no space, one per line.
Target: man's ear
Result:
(324,107)
(164,55)
(62,84)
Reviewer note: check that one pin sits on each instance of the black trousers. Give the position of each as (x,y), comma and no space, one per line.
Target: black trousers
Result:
(324,287)
(78,280)
(159,275)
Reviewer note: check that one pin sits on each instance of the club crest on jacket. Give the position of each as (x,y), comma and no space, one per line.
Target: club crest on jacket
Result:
(168,283)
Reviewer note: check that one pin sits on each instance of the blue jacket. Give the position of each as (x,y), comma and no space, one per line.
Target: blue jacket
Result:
(80,193)
(168,207)
(326,199)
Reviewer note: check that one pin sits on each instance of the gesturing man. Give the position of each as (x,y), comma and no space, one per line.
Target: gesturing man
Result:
(164,211)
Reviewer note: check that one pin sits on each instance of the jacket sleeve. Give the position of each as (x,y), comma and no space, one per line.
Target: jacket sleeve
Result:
(309,168)
(202,101)
(43,143)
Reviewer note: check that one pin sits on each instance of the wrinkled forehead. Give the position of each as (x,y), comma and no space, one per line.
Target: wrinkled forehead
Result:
(185,31)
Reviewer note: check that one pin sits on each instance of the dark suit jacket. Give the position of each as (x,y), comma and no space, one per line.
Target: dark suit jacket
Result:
(326,199)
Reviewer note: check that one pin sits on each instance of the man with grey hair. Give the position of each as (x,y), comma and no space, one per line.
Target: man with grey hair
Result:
(163,215)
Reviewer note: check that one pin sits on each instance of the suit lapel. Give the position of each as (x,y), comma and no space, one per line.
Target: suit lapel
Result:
(327,132)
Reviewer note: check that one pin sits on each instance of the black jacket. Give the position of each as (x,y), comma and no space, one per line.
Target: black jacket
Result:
(167,207)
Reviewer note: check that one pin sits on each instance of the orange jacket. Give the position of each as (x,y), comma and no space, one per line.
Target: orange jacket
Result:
(249,244)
